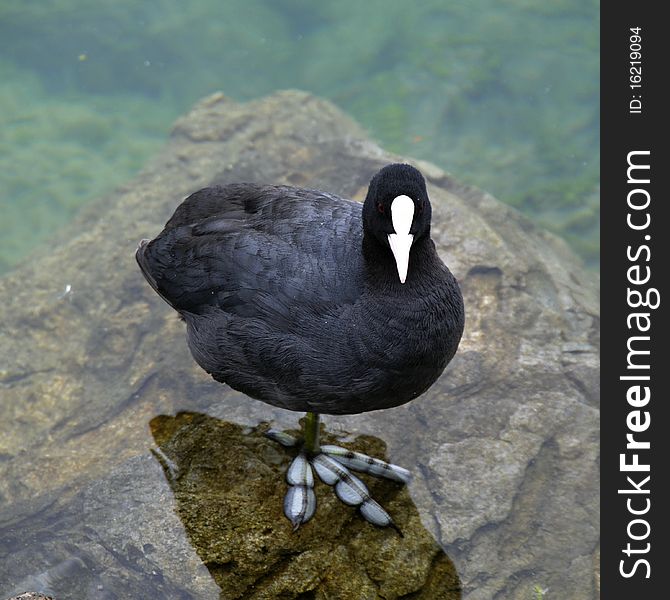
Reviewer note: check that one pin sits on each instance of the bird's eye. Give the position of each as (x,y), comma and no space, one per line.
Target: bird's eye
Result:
(380,208)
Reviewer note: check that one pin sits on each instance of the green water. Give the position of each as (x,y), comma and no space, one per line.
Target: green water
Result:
(503,95)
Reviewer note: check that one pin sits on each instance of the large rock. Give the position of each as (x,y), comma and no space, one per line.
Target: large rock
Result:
(504,447)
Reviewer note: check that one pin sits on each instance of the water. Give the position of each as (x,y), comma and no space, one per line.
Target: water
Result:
(502,95)
(126,472)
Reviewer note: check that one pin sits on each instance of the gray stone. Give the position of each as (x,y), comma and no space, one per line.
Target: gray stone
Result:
(504,447)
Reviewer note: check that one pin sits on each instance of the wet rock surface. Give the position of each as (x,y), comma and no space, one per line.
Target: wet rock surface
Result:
(229,487)
(503,448)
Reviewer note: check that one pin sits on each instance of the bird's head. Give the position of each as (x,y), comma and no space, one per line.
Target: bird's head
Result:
(397,211)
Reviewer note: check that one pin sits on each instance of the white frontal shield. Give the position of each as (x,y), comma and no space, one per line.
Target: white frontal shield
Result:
(402,215)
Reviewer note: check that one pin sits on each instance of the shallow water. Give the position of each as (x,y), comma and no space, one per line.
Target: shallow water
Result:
(502,95)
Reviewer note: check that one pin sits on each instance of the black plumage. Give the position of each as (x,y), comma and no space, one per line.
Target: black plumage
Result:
(293,297)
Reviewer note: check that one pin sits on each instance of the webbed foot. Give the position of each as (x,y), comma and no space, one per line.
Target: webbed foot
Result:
(333,465)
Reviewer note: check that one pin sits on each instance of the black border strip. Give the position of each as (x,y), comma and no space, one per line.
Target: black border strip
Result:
(634,120)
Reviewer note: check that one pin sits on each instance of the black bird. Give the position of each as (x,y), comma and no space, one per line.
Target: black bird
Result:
(312,302)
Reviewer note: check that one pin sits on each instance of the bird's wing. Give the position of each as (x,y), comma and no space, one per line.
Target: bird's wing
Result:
(258,251)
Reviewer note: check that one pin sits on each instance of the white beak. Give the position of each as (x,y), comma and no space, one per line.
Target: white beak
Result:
(402,215)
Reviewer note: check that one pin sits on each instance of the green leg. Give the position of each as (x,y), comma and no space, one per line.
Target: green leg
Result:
(312,432)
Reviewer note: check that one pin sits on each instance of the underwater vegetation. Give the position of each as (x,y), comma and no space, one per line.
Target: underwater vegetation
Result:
(504,96)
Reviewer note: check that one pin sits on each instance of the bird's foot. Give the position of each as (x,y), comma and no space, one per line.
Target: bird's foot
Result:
(333,465)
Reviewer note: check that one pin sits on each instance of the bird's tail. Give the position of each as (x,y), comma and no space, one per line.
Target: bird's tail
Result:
(144,266)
